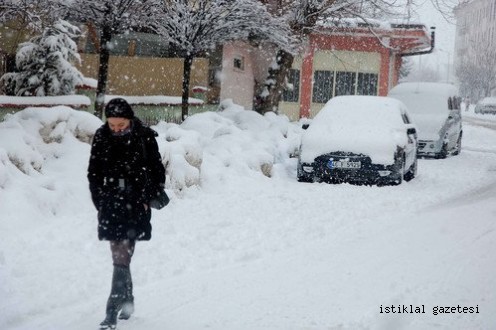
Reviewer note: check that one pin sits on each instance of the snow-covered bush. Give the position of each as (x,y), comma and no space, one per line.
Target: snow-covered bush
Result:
(182,155)
(31,136)
(44,64)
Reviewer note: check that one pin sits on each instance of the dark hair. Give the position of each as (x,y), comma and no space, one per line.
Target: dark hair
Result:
(119,107)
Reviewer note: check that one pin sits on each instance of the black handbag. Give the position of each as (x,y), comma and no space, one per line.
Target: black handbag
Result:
(160,201)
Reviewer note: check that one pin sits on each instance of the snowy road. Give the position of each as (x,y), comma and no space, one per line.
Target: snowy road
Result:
(258,253)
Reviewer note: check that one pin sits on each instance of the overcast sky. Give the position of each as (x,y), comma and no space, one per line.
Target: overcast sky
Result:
(445,39)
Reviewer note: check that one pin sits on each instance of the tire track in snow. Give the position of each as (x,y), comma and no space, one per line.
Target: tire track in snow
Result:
(484,192)
(480,123)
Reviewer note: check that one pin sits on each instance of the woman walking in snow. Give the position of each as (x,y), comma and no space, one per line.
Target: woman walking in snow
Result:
(125,173)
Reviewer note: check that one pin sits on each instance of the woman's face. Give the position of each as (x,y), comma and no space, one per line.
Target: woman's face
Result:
(117,124)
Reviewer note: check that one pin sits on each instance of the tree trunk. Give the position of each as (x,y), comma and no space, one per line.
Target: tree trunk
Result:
(275,84)
(102,71)
(188,61)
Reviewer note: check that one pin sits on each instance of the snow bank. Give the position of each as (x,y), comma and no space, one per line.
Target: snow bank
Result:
(212,146)
(207,146)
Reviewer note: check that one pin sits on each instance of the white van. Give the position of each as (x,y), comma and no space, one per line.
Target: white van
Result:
(435,109)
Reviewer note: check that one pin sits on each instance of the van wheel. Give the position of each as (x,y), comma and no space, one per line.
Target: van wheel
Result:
(458,147)
(443,153)
(412,171)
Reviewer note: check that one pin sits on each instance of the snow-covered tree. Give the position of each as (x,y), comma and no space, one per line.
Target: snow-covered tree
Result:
(30,14)
(44,64)
(196,26)
(110,18)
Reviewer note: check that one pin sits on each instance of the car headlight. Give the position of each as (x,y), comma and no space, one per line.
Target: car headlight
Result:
(307,169)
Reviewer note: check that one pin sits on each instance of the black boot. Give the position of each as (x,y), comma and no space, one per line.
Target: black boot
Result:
(116,298)
(128,304)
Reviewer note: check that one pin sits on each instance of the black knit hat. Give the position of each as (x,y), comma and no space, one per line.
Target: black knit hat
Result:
(119,107)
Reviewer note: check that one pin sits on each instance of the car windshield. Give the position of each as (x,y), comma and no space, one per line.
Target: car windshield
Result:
(424,104)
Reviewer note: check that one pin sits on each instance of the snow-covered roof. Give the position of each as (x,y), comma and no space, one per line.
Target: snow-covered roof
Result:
(405,37)
(357,23)
(23,101)
(88,83)
(425,88)
(154,100)
(353,22)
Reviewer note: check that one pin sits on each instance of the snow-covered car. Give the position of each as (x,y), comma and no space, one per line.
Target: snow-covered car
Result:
(359,139)
(486,105)
(435,109)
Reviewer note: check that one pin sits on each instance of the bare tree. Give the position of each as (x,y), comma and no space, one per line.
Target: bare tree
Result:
(29,14)
(24,18)
(196,26)
(478,76)
(425,73)
(405,68)
(109,18)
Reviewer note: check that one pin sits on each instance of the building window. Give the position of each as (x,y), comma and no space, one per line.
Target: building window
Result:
(239,62)
(323,83)
(367,83)
(345,83)
(293,94)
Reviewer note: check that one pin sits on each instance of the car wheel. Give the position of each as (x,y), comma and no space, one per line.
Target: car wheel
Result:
(458,147)
(305,178)
(400,170)
(412,171)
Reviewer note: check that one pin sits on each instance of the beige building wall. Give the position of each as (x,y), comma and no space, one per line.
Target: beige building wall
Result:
(347,61)
(11,35)
(145,75)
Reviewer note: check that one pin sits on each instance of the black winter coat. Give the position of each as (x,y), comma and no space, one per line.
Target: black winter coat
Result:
(124,173)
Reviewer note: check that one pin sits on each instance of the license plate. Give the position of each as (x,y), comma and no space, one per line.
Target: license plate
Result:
(343,164)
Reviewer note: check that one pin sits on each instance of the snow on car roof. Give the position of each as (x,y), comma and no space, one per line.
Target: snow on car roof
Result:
(370,125)
(488,100)
(425,88)
(424,98)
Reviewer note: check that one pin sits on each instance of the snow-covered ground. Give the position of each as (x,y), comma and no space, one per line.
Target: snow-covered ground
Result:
(242,250)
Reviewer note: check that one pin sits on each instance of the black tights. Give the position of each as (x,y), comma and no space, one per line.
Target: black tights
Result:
(122,251)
